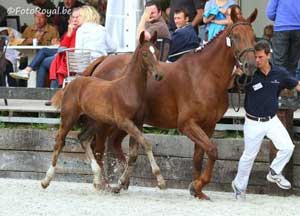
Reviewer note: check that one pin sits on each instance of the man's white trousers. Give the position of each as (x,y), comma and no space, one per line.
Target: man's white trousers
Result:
(254,132)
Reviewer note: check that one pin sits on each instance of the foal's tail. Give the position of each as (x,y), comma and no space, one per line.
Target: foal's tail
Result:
(90,69)
(56,99)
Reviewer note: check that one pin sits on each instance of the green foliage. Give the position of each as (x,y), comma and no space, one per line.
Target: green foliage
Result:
(155,130)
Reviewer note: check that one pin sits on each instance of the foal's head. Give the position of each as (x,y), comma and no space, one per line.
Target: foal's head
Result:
(242,38)
(149,54)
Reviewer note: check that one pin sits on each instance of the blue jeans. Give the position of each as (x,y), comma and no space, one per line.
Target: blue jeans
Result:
(40,56)
(54,84)
(286,46)
(43,71)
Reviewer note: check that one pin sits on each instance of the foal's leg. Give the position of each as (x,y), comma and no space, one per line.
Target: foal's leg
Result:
(68,120)
(133,131)
(202,142)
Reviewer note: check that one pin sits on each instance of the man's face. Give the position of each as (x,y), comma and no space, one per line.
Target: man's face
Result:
(180,20)
(261,58)
(69,3)
(154,13)
(40,20)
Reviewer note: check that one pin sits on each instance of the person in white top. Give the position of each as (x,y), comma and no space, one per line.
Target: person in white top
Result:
(91,35)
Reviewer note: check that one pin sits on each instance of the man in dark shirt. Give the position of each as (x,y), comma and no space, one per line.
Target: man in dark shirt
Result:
(194,7)
(261,105)
(184,38)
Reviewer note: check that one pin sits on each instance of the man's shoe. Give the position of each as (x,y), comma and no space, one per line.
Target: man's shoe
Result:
(279,179)
(22,74)
(238,194)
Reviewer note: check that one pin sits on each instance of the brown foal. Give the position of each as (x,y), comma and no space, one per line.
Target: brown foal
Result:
(109,103)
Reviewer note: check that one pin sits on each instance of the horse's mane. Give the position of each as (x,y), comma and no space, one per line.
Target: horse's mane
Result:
(211,41)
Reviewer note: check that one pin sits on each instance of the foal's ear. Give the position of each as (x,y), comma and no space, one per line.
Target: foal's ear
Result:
(253,16)
(142,37)
(154,37)
(233,15)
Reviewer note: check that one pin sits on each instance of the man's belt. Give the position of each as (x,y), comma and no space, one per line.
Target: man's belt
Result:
(259,119)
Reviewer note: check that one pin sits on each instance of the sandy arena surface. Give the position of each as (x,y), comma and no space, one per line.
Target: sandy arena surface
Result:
(26,197)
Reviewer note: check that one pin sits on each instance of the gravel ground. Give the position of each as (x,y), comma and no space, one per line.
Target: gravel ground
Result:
(26,197)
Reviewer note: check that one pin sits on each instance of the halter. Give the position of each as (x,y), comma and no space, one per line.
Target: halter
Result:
(239,62)
(239,54)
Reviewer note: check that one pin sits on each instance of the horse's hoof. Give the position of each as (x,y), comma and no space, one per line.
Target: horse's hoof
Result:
(116,190)
(99,187)
(162,185)
(44,184)
(194,193)
(126,185)
(192,189)
(202,196)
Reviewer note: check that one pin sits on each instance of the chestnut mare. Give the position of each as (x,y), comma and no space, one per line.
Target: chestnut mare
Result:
(193,94)
(108,103)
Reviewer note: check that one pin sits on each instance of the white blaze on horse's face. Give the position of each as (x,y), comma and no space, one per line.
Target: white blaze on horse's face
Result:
(152,50)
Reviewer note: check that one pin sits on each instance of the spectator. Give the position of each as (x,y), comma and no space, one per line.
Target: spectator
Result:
(42,61)
(261,105)
(3,15)
(43,4)
(195,11)
(215,16)
(44,32)
(152,21)
(286,35)
(90,35)
(268,32)
(184,37)
(46,5)
(61,19)
(11,55)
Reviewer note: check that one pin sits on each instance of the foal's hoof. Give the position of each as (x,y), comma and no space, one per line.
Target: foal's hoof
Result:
(116,190)
(199,195)
(99,187)
(44,184)
(162,185)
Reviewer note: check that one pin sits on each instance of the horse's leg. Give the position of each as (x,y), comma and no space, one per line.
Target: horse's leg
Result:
(67,122)
(86,145)
(133,131)
(202,142)
(115,140)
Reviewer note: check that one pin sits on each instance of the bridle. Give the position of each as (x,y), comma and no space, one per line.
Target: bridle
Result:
(239,62)
(240,53)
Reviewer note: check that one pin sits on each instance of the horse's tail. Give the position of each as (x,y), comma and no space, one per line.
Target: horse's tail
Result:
(57,98)
(90,69)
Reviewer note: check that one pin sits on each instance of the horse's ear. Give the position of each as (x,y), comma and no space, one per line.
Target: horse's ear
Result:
(142,37)
(233,15)
(154,37)
(253,16)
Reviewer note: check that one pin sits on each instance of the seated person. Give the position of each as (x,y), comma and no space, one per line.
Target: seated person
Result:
(152,21)
(216,16)
(46,5)
(90,35)
(45,33)
(184,37)
(11,55)
(61,20)
(45,56)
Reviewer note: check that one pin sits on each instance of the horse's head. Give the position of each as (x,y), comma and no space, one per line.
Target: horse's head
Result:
(241,38)
(149,53)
